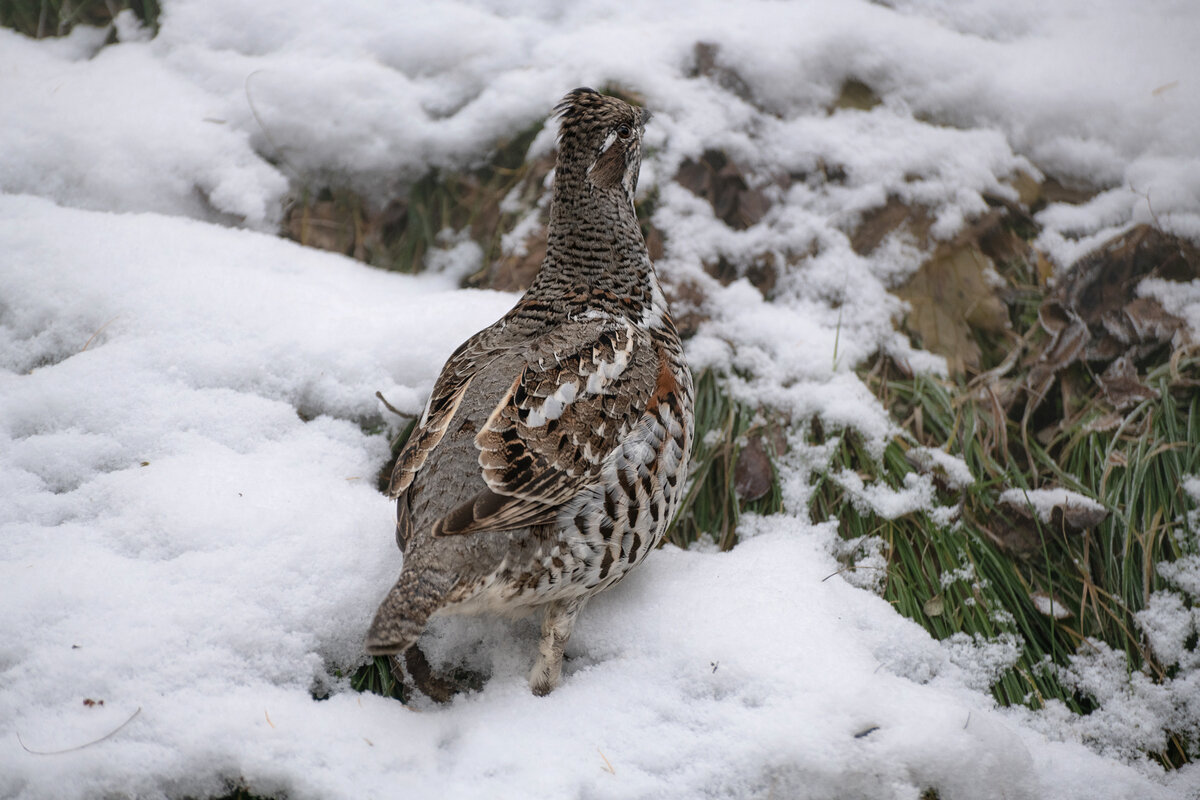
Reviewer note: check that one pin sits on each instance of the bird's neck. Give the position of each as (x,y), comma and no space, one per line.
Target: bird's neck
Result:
(596,258)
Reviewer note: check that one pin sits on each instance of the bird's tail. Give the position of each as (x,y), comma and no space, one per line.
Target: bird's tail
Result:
(404,613)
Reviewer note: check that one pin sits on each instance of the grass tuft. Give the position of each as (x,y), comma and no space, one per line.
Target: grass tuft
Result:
(712,505)
(1102,576)
(376,677)
(40,19)
(398,236)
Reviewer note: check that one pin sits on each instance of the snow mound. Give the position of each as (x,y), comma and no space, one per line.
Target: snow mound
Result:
(191,529)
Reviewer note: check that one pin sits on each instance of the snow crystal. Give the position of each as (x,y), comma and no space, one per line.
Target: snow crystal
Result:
(1132,710)
(966,572)
(982,660)
(1169,623)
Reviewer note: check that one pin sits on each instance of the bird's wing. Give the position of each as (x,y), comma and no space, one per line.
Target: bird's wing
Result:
(448,392)
(548,436)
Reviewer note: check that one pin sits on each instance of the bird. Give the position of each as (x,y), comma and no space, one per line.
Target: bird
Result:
(553,450)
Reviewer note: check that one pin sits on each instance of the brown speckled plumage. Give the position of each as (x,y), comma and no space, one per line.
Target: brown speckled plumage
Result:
(554,448)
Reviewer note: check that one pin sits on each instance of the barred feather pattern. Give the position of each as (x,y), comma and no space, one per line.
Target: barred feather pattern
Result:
(554,448)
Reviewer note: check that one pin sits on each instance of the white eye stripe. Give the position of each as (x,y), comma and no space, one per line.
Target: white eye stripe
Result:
(608,142)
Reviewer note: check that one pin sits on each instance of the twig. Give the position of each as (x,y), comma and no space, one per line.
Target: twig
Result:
(1005,366)
(108,735)
(1149,206)
(266,132)
(99,330)
(851,569)
(392,408)
(608,764)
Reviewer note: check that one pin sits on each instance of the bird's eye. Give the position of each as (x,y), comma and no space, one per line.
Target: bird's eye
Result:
(624,131)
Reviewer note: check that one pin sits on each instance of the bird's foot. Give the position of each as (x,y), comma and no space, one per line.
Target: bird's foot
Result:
(439,687)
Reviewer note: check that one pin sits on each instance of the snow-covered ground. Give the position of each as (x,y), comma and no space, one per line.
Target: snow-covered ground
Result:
(189,528)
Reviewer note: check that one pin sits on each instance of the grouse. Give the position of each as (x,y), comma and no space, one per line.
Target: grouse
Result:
(553,450)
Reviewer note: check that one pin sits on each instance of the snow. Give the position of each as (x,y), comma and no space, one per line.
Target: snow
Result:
(1045,604)
(1177,298)
(953,469)
(189,434)
(1044,501)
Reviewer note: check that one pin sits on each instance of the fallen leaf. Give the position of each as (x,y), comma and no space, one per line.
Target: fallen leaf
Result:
(1045,268)
(1094,313)
(1061,509)
(1122,386)
(879,222)
(1077,518)
(934,606)
(1104,423)
(1141,321)
(1029,188)
(1017,537)
(722,182)
(1105,280)
(949,296)
(707,64)
(753,475)
(323,224)
(1055,191)
(856,95)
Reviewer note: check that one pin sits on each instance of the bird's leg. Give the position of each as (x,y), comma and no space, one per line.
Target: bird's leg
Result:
(434,686)
(412,670)
(556,630)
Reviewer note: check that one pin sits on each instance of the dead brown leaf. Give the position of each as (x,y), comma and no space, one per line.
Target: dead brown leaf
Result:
(1055,191)
(856,95)
(1029,189)
(1105,280)
(949,296)
(753,474)
(722,182)
(1094,313)
(1017,537)
(1073,514)
(878,223)
(1077,517)
(706,62)
(323,224)
(1122,386)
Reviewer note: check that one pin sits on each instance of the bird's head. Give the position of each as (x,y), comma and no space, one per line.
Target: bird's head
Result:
(601,136)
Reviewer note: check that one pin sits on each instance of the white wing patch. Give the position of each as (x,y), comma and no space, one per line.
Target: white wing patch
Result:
(554,405)
(598,382)
(608,371)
